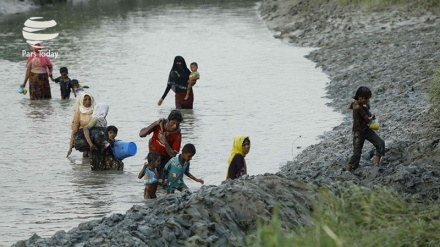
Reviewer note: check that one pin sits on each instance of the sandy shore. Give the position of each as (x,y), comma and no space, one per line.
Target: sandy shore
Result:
(394,53)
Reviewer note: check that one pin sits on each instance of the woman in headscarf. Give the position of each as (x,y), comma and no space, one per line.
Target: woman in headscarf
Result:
(38,72)
(237,163)
(82,115)
(98,123)
(178,82)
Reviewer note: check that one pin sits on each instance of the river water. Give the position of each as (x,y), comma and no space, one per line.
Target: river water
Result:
(251,84)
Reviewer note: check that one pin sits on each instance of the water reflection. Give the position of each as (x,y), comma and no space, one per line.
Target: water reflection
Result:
(189,125)
(39,109)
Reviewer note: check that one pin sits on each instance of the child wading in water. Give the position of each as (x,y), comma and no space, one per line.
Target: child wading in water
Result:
(66,84)
(149,174)
(361,131)
(110,162)
(176,167)
(193,77)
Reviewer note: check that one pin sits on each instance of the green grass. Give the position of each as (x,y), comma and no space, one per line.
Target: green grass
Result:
(359,217)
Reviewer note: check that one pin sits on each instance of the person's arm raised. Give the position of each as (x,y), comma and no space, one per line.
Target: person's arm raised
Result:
(147,130)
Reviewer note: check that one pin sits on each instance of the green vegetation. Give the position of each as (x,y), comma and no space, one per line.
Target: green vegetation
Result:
(359,217)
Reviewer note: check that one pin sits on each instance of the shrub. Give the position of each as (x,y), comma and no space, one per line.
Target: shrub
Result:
(359,216)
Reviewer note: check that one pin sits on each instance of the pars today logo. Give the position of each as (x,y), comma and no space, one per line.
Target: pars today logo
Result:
(33,32)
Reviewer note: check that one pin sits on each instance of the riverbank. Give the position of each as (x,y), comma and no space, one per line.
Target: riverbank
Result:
(395,60)
(395,54)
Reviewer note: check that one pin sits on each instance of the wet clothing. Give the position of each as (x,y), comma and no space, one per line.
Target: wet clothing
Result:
(150,176)
(237,167)
(175,173)
(361,132)
(361,115)
(180,101)
(178,81)
(237,163)
(66,86)
(98,126)
(105,161)
(174,140)
(155,145)
(80,120)
(39,87)
(39,66)
(102,158)
(359,138)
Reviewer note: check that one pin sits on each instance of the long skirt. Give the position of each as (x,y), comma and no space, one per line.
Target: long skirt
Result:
(181,103)
(101,161)
(39,87)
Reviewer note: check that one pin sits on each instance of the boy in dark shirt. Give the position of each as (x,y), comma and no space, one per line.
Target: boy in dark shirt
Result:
(66,84)
(361,130)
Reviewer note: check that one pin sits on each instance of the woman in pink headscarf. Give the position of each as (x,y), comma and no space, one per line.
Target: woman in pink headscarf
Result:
(38,71)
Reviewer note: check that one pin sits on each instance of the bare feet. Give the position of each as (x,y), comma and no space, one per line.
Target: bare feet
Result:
(376,160)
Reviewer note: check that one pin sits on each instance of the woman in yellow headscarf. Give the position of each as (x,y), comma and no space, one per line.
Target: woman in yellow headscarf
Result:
(237,163)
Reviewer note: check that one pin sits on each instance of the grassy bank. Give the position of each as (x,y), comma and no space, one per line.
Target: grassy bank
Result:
(359,217)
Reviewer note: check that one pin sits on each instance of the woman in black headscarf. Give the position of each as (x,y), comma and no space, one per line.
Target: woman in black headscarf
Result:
(178,81)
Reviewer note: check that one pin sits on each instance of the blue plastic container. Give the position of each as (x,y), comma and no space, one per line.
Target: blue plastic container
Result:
(22,90)
(122,149)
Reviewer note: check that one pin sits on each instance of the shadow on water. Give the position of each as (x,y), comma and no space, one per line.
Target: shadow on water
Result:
(190,124)
(38,109)
(91,188)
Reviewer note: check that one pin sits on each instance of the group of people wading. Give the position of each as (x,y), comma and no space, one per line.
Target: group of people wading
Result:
(165,165)
(91,135)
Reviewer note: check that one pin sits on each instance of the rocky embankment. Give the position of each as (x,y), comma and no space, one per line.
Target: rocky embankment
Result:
(222,215)
(394,53)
